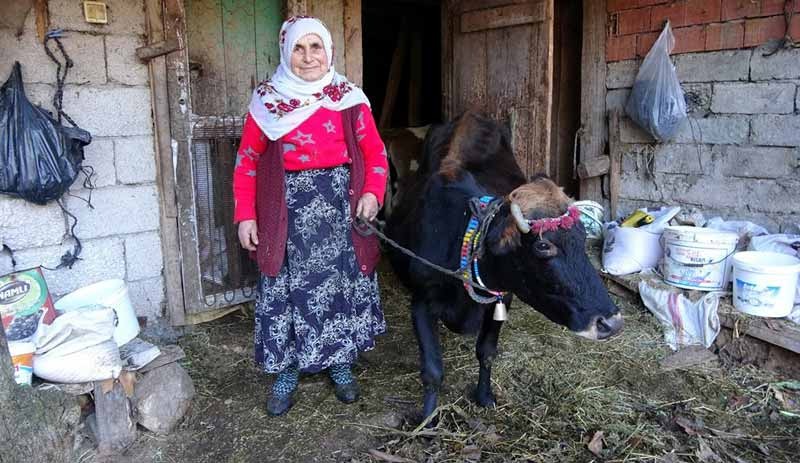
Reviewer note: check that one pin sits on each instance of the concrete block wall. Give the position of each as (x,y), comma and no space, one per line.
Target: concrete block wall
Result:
(108,94)
(738,155)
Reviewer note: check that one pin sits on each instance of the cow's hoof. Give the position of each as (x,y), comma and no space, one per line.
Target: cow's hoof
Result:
(483,398)
(278,405)
(347,393)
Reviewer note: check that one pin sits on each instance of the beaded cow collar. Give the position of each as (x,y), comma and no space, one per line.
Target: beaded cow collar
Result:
(565,221)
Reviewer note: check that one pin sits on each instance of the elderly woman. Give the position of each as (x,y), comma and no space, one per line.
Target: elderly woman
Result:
(310,162)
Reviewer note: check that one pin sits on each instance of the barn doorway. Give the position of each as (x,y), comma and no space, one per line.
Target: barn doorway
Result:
(402,61)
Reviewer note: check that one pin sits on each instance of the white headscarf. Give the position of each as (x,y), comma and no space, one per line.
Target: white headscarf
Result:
(284,101)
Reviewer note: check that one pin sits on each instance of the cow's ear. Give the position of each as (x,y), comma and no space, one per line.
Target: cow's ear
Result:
(505,238)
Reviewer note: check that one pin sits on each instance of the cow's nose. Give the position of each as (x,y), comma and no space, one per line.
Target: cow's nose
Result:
(609,326)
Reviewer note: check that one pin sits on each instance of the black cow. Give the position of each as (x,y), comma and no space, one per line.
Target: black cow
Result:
(469,158)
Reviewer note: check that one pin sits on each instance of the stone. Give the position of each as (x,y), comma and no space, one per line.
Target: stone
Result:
(732,130)
(135,159)
(124,17)
(100,259)
(781,65)
(754,161)
(116,210)
(715,66)
(110,111)
(99,156)
(147,297)
(775,130)
(616,99)
(124,66)
(698,99)
(162,397)
(26,225)
(143,256)
(621,74)
(753,98)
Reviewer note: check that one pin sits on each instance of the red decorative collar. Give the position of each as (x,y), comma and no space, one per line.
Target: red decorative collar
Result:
(565,221)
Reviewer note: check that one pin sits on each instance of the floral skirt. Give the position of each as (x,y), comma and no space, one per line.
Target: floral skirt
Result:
(320,310)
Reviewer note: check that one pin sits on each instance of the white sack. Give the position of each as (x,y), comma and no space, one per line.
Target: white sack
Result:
(684,322)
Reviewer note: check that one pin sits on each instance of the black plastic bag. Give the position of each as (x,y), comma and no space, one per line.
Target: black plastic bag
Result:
(40,157)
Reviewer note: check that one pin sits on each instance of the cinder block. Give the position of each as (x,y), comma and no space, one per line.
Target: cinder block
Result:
(754,161)
(758,98)
(622,74)
(100,157)
(117,210)
(732,130)
(637,187)
(135,159)
(100,259)
(673,158)
(26,225)
(773,196)
(123,65)
(781,65)
(789,224)
(124,17)
(143,256)
(698,98)
(705,191)
(630,132)
(713,67)
(776,130)
(616,99)
(42,95)
(85,50)
(110,111)
(147,297)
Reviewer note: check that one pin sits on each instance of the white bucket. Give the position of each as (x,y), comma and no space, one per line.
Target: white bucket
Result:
(107,293)
(764,282)
(697,258)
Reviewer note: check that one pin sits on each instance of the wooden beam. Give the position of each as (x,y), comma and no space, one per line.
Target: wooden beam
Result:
(594,167)
(148,52)
(116,428)
(353,48)
(42,19)
(415,80)
(504,16)
(541,90)
(593,92)
(393,83)
(615,151)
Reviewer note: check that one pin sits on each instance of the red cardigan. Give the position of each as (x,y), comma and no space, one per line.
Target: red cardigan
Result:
(270,204)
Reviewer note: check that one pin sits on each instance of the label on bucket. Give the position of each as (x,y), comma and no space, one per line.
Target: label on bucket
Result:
(757,295)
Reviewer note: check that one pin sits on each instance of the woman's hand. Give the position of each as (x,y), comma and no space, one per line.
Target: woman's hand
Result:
(367,207)
(248,234)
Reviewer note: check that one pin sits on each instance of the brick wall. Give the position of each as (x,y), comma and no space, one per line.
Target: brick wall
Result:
(108,94)
(737,156)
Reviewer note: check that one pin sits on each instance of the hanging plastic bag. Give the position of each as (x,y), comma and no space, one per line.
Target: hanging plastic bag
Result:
(39,158)
(656,102)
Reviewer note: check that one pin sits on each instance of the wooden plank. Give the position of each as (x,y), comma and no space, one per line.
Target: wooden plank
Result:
(594,167)
(505,16)
(239,34)
(353,48)
(268,20)
(165,173)
(541,78)
(148,52)
(296,7)
(206,56)
(469,71)
(593,92)
(448,99)
(415,80)
(461,6)
(615,151)
(168,354)
(42,19)
(116,428)
(507,66)
(520,125)
(393,82)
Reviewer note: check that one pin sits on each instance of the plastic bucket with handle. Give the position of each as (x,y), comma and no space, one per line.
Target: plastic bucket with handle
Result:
(764,282)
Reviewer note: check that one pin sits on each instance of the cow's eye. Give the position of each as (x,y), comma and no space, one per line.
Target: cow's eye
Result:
(545,249)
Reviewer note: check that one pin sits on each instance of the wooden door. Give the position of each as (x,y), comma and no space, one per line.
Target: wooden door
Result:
(498,58)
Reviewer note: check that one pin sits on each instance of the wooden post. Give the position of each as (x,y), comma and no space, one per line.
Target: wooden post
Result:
(593,92)
(296,7)
(393,83)
(415,80)
(353,49)
(616,159)
(42,19)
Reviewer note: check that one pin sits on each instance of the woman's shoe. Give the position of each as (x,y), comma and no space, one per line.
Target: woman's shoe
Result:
(278,405)
(347,393)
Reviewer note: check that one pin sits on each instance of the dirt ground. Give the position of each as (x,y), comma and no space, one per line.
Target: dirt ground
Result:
(560,399)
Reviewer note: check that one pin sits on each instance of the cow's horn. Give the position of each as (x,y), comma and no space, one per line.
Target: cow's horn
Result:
(522,224)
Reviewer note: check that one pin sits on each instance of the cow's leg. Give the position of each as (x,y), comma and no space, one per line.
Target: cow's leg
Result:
(485,350)
(425,327)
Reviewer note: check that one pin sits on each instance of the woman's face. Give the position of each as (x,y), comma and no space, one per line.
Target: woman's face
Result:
(309,60)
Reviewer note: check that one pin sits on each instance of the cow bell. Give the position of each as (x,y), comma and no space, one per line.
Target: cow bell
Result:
(500,312)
